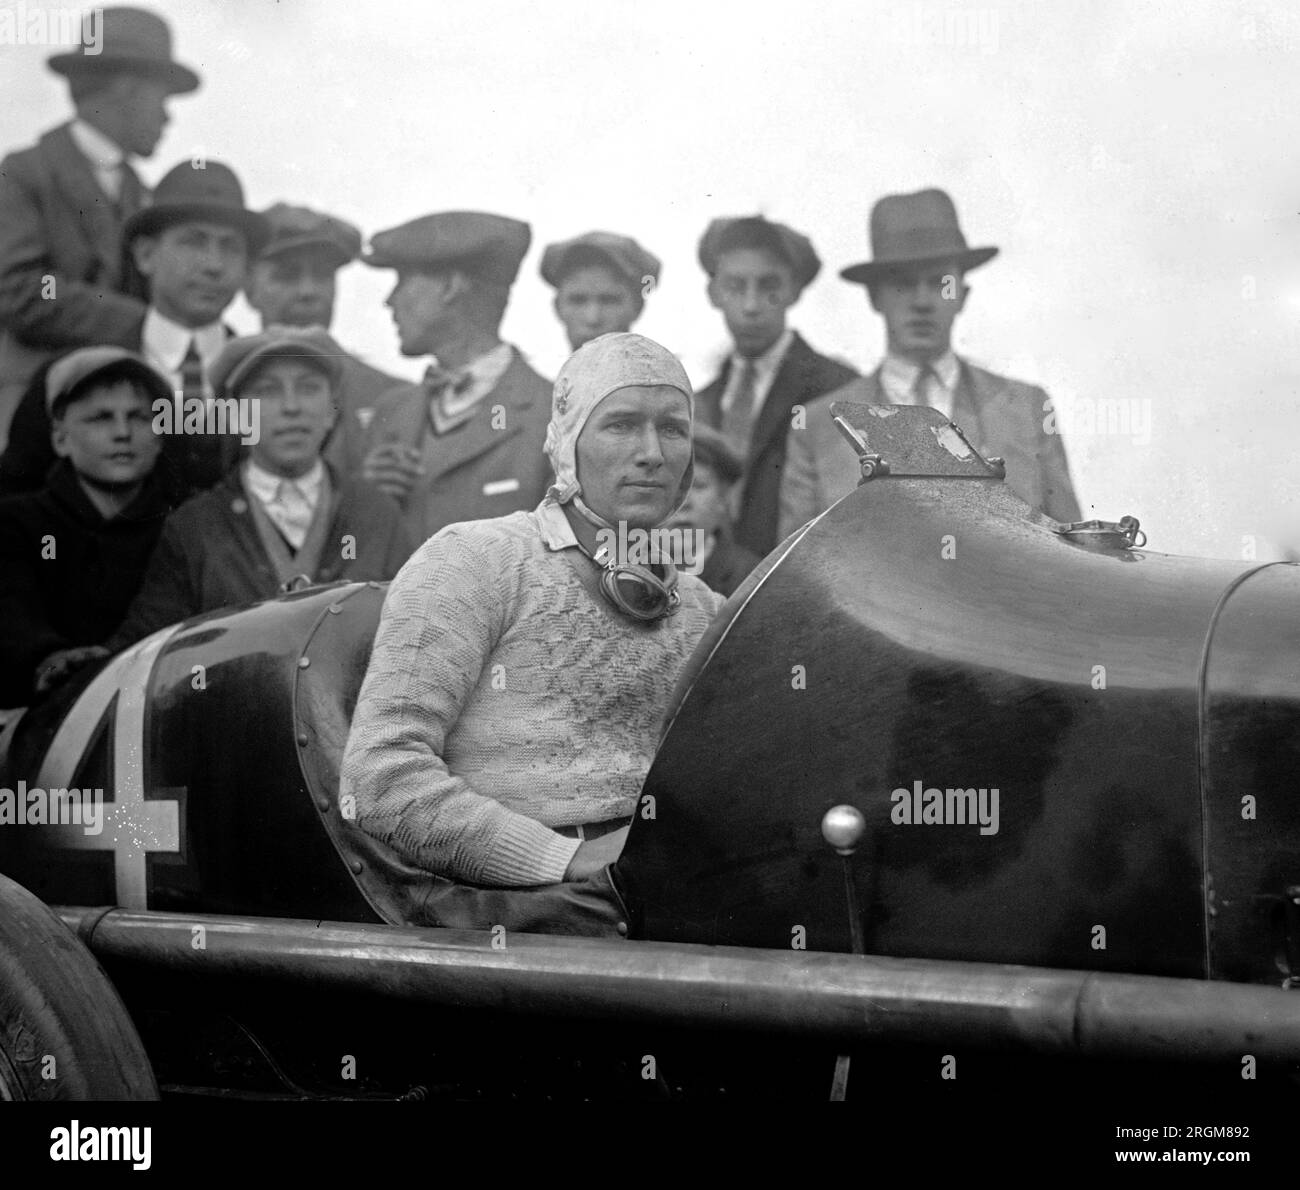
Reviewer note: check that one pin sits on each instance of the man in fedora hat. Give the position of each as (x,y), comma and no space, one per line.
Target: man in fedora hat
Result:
(192,245)
(757,271)
(916,283)
(292,283)
(466,442)
(63,201)
(601,281)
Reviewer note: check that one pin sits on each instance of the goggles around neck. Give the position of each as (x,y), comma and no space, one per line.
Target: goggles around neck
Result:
(637,591)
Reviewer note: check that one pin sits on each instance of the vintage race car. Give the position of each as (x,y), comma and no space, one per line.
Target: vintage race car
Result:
(946,786)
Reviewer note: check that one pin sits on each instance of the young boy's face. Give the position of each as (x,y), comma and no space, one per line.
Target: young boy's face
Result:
(107,435)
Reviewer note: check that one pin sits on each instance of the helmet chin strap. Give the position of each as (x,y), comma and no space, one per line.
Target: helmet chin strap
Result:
(650,598)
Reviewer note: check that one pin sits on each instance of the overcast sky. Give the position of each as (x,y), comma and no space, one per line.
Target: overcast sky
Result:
(1136,164)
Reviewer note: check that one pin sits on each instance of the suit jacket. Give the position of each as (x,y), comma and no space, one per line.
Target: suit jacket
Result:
(56,222)
(360,387)
(999,416)
(80,594)
(188,464)
(492,465)
(803,376)
(211,556)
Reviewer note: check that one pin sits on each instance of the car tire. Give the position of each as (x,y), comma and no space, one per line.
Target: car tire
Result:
(64,1031)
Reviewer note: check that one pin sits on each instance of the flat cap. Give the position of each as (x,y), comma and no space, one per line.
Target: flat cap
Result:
(621,253)
(79,367)
(293,228)
(753,231)
(240,356)
(488,246)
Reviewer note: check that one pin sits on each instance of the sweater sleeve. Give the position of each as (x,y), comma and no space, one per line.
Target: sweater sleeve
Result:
(442,618)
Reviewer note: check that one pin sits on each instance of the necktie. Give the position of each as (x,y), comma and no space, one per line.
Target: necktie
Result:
(291,513)
(192,373)
(199,454)
(738,417)
(442,387)
(921,385)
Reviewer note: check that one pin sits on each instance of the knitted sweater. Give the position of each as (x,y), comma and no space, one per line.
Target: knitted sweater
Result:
(503,699)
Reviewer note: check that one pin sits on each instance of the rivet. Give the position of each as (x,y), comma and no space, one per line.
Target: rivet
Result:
(323,803)
(303,662)
(622,929)
(355,865)
(302,738)
(334,609)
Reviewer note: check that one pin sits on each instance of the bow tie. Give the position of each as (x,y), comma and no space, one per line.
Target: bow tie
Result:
(442,387)
(438,380)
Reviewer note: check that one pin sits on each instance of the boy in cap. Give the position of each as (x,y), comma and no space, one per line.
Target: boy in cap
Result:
(757,270)
(601,281)
(916,283)
(707,511)
(293,283)
(192,245)
(73,554)
(466,442)
(63,201)
(281,514)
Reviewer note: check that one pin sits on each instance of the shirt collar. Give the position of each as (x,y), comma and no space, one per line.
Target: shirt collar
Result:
(766,365)
(479,377)
(101,151)
(265,485)
(901,373)
(168,341)
(557,533)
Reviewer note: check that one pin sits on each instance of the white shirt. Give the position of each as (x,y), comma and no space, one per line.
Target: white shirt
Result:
(104,154)
(164,344)
(292,510)
(766,367)
(898,377)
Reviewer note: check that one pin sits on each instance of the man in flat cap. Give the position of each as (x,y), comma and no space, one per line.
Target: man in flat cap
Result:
(916,283)
(601,281)
(192,246)
(466,442)
(64,200)
(757,270)
(293,283)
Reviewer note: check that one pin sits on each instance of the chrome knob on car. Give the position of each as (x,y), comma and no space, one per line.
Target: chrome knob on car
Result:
(843,827)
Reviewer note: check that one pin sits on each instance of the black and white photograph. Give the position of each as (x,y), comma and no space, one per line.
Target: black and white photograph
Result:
(604,554)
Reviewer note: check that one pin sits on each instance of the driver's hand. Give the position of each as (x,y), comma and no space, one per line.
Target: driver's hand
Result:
(593,854)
